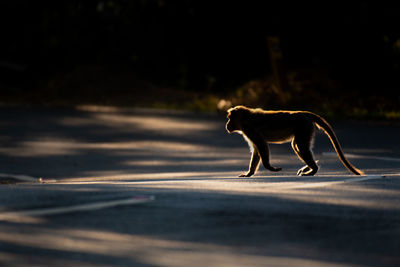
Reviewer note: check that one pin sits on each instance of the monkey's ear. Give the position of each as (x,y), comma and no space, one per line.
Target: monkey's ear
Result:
(232,110)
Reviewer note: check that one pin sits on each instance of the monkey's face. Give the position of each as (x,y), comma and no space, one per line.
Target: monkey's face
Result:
(233,123)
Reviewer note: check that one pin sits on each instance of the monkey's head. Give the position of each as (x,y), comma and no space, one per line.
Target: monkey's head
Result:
(235,119)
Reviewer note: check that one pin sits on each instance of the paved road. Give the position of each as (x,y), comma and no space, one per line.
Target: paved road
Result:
(157,188)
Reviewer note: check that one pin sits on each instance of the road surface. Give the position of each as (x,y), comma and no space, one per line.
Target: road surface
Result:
(113,187)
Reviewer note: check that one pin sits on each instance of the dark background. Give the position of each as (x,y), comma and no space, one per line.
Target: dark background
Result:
(337,57)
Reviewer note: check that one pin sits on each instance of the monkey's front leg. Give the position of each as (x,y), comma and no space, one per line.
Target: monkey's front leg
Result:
(254,163)
(263,150)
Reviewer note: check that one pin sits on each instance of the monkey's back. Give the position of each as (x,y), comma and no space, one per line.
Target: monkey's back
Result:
(280,126)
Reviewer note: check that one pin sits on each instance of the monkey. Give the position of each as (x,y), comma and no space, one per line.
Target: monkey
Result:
(260,127)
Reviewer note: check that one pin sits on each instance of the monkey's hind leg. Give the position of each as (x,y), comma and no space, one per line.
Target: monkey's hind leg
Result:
(304,152)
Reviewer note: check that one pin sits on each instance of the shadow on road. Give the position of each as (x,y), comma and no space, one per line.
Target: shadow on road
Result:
(196,226)
(203,214)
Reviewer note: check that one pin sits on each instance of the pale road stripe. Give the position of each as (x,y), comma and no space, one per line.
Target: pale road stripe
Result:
(21,177)
(83,207)
(363,156)
(271,185)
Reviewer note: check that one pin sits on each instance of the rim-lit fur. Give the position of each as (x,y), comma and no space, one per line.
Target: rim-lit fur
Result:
(260,127)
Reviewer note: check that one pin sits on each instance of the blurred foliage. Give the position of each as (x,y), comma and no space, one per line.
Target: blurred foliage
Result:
(315,90)
(339,58)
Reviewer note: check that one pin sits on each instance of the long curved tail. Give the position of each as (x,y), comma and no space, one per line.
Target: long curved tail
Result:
(324,125)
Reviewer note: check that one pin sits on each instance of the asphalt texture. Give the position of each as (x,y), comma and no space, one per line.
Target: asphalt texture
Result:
(118,187)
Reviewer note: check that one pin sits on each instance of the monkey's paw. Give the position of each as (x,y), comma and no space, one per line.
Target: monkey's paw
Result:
(303,171)
(274,169)
(306,171)
(246,174)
